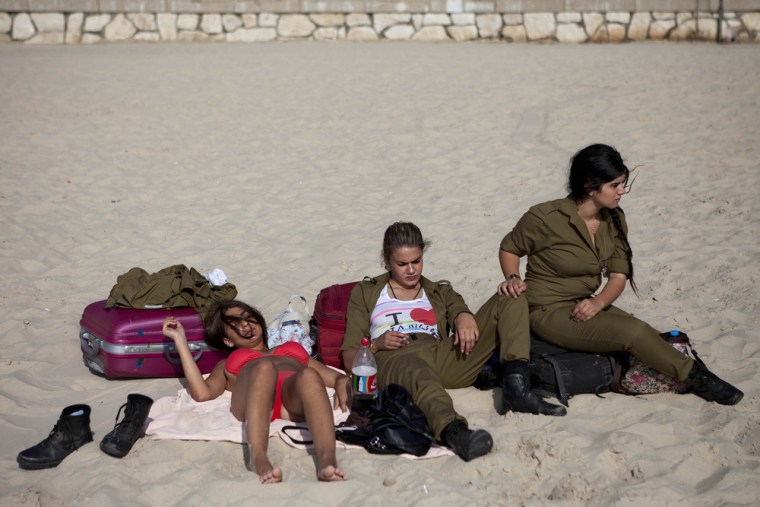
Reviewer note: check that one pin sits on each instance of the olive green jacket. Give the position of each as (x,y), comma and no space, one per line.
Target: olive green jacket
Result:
(446,303)
(563,265)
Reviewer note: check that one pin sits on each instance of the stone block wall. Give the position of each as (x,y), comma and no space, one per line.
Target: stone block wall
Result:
(564,21)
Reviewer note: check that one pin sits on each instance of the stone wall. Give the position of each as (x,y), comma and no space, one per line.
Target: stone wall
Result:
(566,21)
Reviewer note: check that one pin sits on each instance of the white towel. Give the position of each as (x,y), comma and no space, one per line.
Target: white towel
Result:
(182,418)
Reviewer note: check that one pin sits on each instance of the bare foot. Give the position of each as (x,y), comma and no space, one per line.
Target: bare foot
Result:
(273,476)
(331,473)
(267,473)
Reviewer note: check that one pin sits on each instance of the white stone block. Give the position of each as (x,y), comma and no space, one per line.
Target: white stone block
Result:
(592,22)
(187,22)
(355,19)
(433,33)
(512,19)
(489,25)
(361,33)
(5,22)
(618,17)
(167,25)
(143,21)
(752,21)
(663,15)
(120,28)
(252,35)
(48,22)
(568,17)
(436,20)
(326,33)
(399,32)
(268,19)
(328,19)
(231,22)
(454,6)
(417,21)
(514,33)
(615,32)
(250,21)
(539,25)
(47,38)
(683,17)
(571,32)
(147,37)
(74,23)
(91,38)
(382,21)
(211,23)
(462,33)
(96,22)
(198,36)
(639,28)
(295,26)
(659,29)
(23,29)
(464,19)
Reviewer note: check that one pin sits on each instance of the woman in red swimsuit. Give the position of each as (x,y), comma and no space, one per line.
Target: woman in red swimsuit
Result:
(265,384)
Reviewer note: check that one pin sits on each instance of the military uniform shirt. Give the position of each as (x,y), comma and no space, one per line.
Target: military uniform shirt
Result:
(563,264)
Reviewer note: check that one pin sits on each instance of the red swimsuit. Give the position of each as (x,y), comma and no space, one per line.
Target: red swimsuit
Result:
(238,358)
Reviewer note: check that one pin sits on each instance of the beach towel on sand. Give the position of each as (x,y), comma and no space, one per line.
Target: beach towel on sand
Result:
(181,418)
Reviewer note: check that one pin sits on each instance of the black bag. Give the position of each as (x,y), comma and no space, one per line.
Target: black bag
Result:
(392,424)
(562,373)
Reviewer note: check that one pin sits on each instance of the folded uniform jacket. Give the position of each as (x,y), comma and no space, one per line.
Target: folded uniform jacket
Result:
(172,287)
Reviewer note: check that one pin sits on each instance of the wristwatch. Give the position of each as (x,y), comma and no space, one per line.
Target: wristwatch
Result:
(512,275)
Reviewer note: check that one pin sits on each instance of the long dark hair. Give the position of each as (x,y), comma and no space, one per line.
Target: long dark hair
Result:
(592,167)
(215,334)
(401,234)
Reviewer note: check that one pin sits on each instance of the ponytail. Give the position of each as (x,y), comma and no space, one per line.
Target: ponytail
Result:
(619,227)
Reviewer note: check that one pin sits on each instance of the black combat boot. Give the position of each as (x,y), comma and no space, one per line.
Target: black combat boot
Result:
(467,444)
(517,396)
(70,433)
(124,434)
(708,386)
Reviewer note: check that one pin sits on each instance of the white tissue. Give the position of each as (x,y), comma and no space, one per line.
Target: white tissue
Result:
(216,277)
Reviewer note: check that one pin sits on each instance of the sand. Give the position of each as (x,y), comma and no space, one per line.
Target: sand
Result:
(283,163)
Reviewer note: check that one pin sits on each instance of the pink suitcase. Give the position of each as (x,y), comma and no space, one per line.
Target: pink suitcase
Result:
(129,343)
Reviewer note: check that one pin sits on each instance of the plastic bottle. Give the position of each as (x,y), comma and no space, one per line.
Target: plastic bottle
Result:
(363,378)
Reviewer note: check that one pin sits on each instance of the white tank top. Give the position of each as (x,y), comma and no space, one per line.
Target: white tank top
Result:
(416,316)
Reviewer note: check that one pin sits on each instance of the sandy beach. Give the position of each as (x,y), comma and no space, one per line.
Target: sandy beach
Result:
(283,163)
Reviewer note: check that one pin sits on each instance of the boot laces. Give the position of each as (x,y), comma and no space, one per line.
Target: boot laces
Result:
(128,420)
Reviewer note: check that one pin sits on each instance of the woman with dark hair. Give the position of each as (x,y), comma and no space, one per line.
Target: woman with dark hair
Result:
(571,244)
(424,337)
(281,383)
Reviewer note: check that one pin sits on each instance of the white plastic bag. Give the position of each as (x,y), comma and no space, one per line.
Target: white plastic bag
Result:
(292,326)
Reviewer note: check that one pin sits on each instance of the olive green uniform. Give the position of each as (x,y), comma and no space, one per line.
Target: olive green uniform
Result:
(427,367)
(564,267)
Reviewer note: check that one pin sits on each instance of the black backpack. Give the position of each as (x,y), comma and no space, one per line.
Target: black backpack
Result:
(392,424)
(560,373)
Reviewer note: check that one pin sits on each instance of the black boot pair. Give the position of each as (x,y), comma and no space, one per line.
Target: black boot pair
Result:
(517,396)
(708,386)
(466,443)
(72,431)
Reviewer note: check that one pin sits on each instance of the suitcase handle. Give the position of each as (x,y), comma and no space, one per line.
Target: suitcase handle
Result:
(194,347)
(90,344)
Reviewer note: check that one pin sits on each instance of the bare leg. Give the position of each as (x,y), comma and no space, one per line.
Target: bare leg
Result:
(304,395)
(252,398)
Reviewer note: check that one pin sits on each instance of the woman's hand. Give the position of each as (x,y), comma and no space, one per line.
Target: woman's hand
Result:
(392,340)
(586,309)
(465,332)
(512,287)
(173,329)
(341,393)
